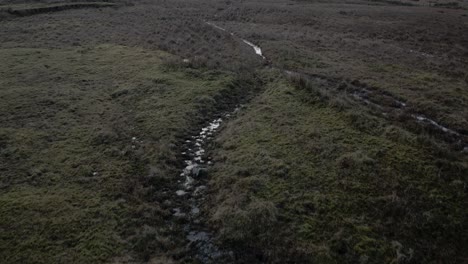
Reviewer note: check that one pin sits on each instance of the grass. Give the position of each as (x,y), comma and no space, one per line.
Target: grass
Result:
(88,143)
(384,49)
(301,181)
(59,224)
(95,109)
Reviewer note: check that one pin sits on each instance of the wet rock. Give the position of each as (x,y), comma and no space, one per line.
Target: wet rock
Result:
(195,211)
(189,168)
(198,236)
(207,251)
(188,182)
(178,213)
(199,172)
(199,190)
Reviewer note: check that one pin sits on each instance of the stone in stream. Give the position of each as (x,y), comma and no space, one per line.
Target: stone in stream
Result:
(189,168)
(194,170)
(195,210)
(207,252)
(188,182)
(178,212)
(199,190)
(194,236)
(198,172)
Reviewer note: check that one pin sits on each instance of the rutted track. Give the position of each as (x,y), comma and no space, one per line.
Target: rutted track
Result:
(385,103)
(361,92)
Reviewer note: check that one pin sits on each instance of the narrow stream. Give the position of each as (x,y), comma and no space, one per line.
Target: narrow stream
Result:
(256,48)
(192,189)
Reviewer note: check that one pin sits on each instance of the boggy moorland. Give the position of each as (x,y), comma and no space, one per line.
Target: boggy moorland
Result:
(208,131)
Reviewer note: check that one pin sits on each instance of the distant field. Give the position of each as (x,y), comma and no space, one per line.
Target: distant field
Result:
(38,8)
(350,145)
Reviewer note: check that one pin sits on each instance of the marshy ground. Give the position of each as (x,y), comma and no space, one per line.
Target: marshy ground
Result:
(350,145)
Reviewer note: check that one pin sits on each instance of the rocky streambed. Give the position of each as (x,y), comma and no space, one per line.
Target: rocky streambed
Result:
(191,194)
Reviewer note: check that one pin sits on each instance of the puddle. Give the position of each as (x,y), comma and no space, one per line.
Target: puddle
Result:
(256,48)
(215,26)
(424,119)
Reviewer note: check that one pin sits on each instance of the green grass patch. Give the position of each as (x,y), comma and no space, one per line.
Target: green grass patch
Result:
(301,181)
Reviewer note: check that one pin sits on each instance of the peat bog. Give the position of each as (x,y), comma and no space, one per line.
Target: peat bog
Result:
(205,131)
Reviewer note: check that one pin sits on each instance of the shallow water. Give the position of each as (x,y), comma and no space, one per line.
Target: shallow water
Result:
(256,48)
(424,119)
(215,26)
(192,190)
